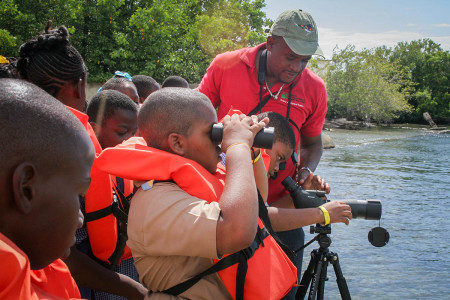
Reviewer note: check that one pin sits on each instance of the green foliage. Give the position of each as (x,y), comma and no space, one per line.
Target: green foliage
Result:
(156,38)
(23,20)
(230,25)
(8,43)
(363,85)
(428,66)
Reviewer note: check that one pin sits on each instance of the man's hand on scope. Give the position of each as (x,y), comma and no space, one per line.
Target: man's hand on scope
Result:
(339,212)
(314,182)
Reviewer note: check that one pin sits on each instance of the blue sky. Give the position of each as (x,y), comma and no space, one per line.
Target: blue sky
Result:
(368,24)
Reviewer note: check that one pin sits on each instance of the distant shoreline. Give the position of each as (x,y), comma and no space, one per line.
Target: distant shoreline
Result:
(342,123)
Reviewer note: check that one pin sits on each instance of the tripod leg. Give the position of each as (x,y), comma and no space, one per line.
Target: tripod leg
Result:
(316,277)
(307,275)
(323,278)
(341,282)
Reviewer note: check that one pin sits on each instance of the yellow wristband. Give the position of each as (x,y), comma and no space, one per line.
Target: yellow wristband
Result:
(235,144)
(257,158)
(326,214)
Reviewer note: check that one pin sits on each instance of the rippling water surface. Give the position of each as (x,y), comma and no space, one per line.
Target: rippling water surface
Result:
(409,171)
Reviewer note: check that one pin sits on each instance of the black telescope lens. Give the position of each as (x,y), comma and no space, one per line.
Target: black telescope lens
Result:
(365,209)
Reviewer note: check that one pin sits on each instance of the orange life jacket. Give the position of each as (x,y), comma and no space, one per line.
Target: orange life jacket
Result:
(18,281)
(84,119)
(105,216)
(105,237)
(270,273)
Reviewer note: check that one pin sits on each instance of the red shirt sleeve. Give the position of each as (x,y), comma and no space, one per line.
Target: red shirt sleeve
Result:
(210,84)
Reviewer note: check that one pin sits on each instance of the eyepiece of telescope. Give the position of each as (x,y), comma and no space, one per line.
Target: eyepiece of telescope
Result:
(300,197)
(263,139)
(361,209)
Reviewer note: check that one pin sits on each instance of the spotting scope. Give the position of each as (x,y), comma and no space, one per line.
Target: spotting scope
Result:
(361,209)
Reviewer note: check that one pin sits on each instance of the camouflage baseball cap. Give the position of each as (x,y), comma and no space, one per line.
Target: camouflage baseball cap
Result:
(299,31)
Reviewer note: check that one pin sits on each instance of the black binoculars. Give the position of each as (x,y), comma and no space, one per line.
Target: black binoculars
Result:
(263,139)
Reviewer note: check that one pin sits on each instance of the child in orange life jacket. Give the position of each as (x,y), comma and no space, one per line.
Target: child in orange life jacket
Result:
(45,163)
(193,214)
(52,63)
(113,116)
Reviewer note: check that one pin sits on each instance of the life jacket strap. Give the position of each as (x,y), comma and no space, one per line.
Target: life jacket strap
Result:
(119,209)
(114,209)
(239,258)
(264,216)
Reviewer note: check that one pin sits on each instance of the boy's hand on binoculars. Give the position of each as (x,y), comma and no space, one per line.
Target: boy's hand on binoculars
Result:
(241,129)
(339,212)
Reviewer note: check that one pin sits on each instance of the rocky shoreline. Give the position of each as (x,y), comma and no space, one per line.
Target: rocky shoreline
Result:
(343,123)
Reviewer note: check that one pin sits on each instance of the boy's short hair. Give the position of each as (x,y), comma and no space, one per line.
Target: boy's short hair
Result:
(35,127)
(175,81)
(170,110)
(145,85)
(105,103)
(283,131)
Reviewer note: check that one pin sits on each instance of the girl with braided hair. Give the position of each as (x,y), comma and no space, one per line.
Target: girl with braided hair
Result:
(52,63)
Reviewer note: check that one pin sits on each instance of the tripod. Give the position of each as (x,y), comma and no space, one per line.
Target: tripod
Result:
(316,273)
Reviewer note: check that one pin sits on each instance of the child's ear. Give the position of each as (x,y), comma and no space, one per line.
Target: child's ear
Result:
(78,88)
(97,128)
(176,143)
(24,186)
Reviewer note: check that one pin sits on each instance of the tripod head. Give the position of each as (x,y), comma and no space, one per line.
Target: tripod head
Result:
(322,238)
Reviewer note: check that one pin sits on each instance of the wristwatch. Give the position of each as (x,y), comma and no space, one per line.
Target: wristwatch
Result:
(307,169)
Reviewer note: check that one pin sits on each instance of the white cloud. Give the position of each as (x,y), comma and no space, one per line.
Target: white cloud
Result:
(330,38)
(441,25)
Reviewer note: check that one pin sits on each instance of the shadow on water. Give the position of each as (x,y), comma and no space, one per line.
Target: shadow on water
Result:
(409,171)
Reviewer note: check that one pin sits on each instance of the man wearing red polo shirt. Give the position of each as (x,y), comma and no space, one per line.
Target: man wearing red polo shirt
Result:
(273,77)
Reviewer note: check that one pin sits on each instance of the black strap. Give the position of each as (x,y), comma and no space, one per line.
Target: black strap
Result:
(119,209)
(264,216)
(121,214)
(261,80)
(262,67)
(288,110)
(98,214)
(239,257)
(259,107)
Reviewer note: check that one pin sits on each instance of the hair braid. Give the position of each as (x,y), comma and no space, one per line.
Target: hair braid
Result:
(50,61)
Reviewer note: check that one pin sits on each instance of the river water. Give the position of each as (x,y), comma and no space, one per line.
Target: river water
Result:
(408,169)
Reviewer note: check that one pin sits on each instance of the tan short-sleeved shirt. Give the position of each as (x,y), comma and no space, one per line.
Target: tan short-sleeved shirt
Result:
(172,236)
